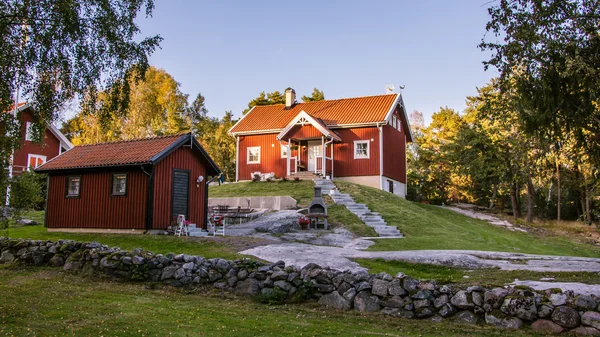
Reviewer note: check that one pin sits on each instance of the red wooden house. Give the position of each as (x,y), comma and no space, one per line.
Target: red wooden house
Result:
(361,140)
(128,186)
(32,154)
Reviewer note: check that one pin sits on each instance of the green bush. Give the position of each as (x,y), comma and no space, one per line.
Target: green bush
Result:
(27,193)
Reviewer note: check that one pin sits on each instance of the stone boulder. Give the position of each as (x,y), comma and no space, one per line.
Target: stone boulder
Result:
(380,288)
(586,331)
(547,326)
(6,257)
(591,318)
(335,300)
(364,302)
(466,317)
(522,307)
(566,317)
(462,300)
(500,320)
(585,303)
(278,222)
(247,287)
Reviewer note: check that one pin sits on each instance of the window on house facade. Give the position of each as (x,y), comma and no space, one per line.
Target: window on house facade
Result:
(253,155)
(398,126)
(284,151)
(119,184)
(28,131)
(73,186)
(361,149)
(394,122)
(35,160)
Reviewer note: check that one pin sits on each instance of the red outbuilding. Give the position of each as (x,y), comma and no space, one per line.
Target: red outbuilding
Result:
(128,186)
(361,140)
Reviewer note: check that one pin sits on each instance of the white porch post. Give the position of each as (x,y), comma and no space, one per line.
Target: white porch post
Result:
(332,161)
(323,156)
(289,155)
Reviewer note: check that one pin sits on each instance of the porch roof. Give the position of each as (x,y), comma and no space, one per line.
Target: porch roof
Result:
(304,118)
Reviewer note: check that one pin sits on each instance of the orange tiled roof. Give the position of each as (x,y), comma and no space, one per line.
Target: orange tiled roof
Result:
(367,109)
(121,153)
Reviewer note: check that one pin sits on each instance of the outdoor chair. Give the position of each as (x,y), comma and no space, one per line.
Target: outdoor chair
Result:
(181,226)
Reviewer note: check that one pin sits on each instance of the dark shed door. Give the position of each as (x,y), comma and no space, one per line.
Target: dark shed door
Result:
(181,189)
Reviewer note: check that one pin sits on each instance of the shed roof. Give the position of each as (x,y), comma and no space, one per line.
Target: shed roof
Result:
(124,153)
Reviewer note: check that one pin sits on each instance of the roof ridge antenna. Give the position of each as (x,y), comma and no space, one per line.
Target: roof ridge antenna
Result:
(391,89)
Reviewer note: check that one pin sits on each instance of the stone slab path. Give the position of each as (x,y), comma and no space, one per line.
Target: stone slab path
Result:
(485,217)
(300,254)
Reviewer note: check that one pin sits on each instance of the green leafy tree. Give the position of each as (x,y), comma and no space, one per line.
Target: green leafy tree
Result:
(548,55)
(52,51)
(317,95)
(157,107)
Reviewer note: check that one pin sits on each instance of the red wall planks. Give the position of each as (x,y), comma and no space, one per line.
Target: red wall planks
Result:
(50,147)
(270,156)
(343,153)
(183,159)
(394,151)
(95,207)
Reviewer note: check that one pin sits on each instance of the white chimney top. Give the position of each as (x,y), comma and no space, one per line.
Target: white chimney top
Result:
(290,98)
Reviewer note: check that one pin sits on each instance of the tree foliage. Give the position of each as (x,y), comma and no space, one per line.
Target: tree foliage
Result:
(52,51)
(157,107)
(277,97)
(317,95)
(549,56)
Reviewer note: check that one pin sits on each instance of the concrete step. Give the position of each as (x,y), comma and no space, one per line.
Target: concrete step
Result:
(376,223)
(386,235)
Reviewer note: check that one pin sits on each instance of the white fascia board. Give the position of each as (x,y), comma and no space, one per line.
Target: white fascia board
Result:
(238,122)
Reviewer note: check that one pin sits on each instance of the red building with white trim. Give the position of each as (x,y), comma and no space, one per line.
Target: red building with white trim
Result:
(32,154)
(128,186)
(361,140)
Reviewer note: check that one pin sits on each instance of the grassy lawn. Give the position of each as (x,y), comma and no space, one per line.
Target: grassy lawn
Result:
(303,192)
(223,247)
(431,227)
(484,277)
(48,302)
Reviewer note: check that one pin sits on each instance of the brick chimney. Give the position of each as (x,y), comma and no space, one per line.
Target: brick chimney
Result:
(290,98)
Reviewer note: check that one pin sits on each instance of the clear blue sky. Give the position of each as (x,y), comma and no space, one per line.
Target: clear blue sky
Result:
(230,51)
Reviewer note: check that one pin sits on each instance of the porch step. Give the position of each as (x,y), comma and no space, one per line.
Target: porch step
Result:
(371,219)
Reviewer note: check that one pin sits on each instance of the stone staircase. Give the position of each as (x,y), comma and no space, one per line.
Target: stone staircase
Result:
(371,219)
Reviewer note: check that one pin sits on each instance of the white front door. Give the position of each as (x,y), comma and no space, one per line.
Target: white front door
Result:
(314,153)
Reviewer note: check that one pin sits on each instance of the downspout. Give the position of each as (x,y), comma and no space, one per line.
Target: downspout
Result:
(325,150)
(205,224)
(149,198)
(237,158)
(380,127)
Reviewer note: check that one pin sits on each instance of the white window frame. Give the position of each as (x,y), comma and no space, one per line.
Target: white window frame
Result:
(356,142)
(28,133)
(248,149)
(37,156)
(394,121)
(284,151)
(399,126)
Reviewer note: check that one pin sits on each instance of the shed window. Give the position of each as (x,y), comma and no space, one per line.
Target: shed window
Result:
(254,155)
(119,183)
(361,149)
(394,121)
(73,186)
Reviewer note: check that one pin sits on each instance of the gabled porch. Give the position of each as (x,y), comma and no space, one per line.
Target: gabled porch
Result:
(309,145)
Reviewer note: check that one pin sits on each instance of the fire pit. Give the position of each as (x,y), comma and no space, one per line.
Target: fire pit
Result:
(317,211)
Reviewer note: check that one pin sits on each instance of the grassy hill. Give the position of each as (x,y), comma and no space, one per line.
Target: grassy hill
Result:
(432,227)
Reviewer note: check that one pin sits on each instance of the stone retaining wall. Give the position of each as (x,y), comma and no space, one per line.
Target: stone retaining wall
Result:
(399,296)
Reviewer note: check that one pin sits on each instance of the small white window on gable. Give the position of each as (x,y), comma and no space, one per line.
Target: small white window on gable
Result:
(394,122)
(361,149)
(28,131)
(398,126)
(253,155)
(284,151)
